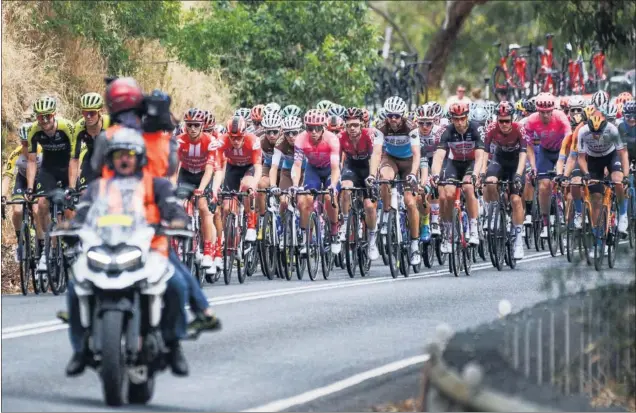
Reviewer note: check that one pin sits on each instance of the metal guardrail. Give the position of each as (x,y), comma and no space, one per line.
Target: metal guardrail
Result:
(571,347)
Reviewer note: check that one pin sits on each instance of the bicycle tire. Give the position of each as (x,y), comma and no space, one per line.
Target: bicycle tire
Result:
(558,224)
(587,236)
(552,234)
(229,248)
(36,279)
(299,263)
(326,256)
(570,232)
(53,265)
(393,247)
(405,248)
(24,243)
(243,261)
(288,255)
(268,248)
(613,235)
(601,239)
(499,237)
(496,88)
(351,243)
(364,260)
(511,237)
(631,215)
(314,237)
(456,248)
(427,249)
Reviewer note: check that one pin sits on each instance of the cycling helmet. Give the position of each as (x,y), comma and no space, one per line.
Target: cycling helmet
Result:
(519,105)
(381,115)
(491,107)
(272,120)
(529,106)
(244,113)
(624,97)
(611,111)
(123,94)
(438,110)
(315,117)
(210,121)
(411,116)
(256,114)
(335,124)
(545,102)
(458,109)
(589,110)
(23,132)
(337,110)
(194,115)
(220,129)
(576,102)
(272,107)
(292,123)
(126,139)
(479,114)
(365,116)
(354,113)
(236,126)
(91,101)
(629,108)
(324,105)
(394,104)
(504,108)
(600,99)
(425,111)
(46,105)
(290,110)
(597,122)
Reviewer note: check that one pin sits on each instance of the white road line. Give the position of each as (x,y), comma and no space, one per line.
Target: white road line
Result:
(54,325)
(311,395)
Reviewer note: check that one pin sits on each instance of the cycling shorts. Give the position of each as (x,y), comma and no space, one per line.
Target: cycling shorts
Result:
(19,187)
(457,169)
(546,161)
(318,178)
(234,175)
(401,166)
(47,180)
(596,166)
(504,168)
(356,173)
(193,180)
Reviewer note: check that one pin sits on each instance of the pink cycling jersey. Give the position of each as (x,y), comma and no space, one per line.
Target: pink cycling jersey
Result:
(322,155)
(551,135)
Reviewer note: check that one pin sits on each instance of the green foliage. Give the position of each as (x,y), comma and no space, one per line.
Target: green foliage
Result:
(298,52)
(110,24)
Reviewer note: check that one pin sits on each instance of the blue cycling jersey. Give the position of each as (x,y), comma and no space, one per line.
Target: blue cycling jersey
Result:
(397,143)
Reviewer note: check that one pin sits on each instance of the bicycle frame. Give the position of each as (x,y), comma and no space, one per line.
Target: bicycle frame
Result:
(457,205)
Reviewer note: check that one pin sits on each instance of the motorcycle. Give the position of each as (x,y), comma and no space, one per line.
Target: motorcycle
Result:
(120,283)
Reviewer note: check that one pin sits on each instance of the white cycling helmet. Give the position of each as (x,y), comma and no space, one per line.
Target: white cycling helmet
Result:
(245,113)
(337,110)
(610,112)
(292,123)
(576,101)
(272,107)
(272,120)
(479,114)
(600,99)
(291,110)
(381,115)
(395,104)
(438,110)
(324,105)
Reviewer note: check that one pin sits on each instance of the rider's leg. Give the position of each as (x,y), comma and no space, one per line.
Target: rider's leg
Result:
(209,232)
(263,183)
(246,183)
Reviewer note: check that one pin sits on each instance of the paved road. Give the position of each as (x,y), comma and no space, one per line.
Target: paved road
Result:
(282,339)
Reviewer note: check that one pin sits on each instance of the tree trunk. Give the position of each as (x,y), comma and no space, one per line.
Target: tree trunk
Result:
(441,46)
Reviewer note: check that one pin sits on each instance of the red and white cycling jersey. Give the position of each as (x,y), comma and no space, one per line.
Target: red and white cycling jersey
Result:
(250,153)
(195,155)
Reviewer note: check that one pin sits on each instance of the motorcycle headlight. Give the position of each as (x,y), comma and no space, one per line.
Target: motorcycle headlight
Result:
(114,260)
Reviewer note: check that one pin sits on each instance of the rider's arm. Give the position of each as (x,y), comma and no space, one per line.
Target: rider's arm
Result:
(415,148)
(209,167)
(374,162)
(621,149)
(273,170)
(335,160)
(440,153)
(219,167)
(423,169)
(582,157)
(257,159)
(299,156)
(523,143)
(85,202)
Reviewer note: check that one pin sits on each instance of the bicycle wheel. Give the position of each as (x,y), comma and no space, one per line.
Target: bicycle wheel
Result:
(510,242)
(36,278)
(314,241)
(631,215)
(229,248)
(427,249)
(456,253)
(587,237)
(197,251)
(553,240)
(441,258)
(499,82)
(299,262)
(268,247)
(499,237)
(26,269)
(288,255)
(364,261)
(351,243)
(326,256)
(612,236)
(53,251)
(558,222)
(492,235)
(405,248)
(570,231)
(393,246)
(529,236)
(601,239)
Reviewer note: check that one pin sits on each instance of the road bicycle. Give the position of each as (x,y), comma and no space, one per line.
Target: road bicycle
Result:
(606,225)
(356,245)
(190,249)
(631,205)
(501,232)
(511,80)
(27,246)
(572,79)
(270,236)
(290,258)
(580,238)
(461,254)
(235,249)
(545,71)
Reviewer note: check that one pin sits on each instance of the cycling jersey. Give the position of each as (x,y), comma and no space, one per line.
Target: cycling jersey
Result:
(609,141)
(506,143)
(397,143)
(549,135)
(268,150)
(195,155)
(17,162)
(57,150)
(82,135)
(360,150)
(321,155)
(461,147)
(428,143)
(570,144)
(283,151)
(628,136)
(248,154)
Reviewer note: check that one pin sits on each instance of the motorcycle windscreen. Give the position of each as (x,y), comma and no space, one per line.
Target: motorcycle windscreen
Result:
(118,211)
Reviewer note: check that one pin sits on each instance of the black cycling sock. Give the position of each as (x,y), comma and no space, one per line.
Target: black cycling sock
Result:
(528,207)
(41,246)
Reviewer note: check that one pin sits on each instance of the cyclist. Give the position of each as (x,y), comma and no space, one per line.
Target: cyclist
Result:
(465,147)
(610,112)
(395,153)
(15,171)
(429,134)
(335,124)
(59,161)
(509,163)
(365,118)
(209,125)
(86,130)
(550,127)
(197,161)
(271,107)
(627,127)
(256,114)
(600,147)
(272,123)
(239,158)
(290,110)
(356,143)
(322,150)
(283,157)
(245,113)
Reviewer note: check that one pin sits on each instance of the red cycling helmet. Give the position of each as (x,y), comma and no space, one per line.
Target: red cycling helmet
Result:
(458,110)
(314,117)
(335,124)
(210,121)
(564,103)
(236,126)
(256,114)
(194,115)
(544,102)
(505,108)
(123,94)
(353,113)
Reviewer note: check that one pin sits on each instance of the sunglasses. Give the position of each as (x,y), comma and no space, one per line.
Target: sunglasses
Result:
(117,155)
(459,118)
(45,118)
(89,113)
(353,125)
(291,133)
(576,110)
(314,128)
(236,138)
(630,117)
(428,124)
(193,125)
(504,121)
(272,132)
(393,116)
